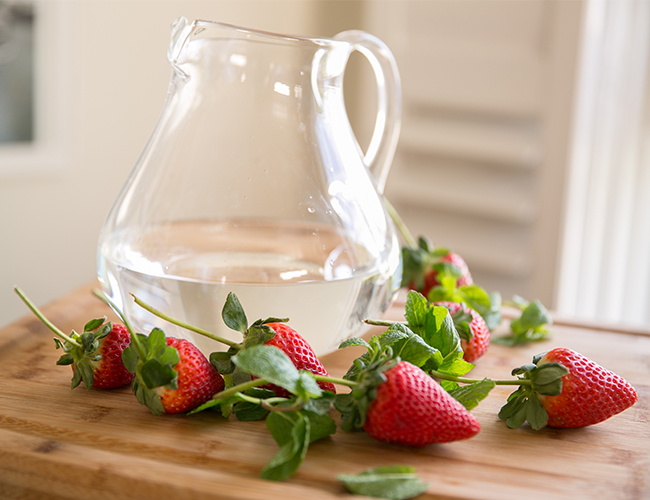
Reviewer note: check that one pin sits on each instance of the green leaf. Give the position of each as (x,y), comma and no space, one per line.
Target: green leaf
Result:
(157,343)
(148,398)
(320,406)
(246,411)
(432,323)
(103,331)
(233,314)
(76,377)
(547,373)
(515,400)
(222,361)
(415,309)
(518,417)
(169,356)
(66,359)
(130,359)
(536,414)
(293,445)
(87,374)
(354,341)
(416,351)
(270,363)
(393,483)
(93,324)
(471,395)
(87,341)
(155,374)
(258,335)
(306,386)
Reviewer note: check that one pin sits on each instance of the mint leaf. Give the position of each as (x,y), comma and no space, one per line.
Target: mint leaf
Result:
(292,433)
(233,314)
(353,341)
(392,482)
(270,363)
(472,394)
(432,323)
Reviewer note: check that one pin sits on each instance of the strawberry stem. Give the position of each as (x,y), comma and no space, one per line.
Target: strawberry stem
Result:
(464,380)
(340,381)
(182,324)
(399,222)
(244,386)
(42,317)
(380,322)
(134,338)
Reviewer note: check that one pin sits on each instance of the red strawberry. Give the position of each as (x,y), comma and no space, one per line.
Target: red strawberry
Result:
(197,382)
(474,333)
(565,389)
(300,353)
(590,393)
(425,267)
(109,372)
(171,375)
(95,355)
(432,275)
(412,409)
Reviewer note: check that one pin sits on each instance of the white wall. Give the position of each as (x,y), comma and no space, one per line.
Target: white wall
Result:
(113,75)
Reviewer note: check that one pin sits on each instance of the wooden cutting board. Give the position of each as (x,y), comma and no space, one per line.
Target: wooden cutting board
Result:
(56,443)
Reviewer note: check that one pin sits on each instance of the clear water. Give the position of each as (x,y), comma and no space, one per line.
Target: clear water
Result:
(322,281)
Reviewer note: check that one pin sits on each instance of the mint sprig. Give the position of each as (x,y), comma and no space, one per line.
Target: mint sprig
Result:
(428,339)
(395,482)
(294,423)
(530,326)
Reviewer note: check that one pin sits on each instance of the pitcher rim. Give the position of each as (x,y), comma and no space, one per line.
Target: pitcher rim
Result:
(323,41)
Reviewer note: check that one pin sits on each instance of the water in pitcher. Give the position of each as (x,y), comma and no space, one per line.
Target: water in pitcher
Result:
(320,279)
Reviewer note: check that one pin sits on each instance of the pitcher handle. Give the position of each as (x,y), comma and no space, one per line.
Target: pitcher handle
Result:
(385,136)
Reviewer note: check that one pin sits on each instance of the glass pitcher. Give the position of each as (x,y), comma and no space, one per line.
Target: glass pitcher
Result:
(253,183)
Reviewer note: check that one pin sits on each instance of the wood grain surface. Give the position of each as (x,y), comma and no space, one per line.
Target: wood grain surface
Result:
(57,443)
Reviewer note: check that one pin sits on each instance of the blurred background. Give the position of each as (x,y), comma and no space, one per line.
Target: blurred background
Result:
(525,142)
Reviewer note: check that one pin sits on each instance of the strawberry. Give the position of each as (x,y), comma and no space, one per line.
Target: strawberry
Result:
(394,401)
(426,267)
(412,409)
(95,355)
(473,331)
(197,382)
(171,375)
(565,389)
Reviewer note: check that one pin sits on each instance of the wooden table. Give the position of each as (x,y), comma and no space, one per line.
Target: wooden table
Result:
(56,443)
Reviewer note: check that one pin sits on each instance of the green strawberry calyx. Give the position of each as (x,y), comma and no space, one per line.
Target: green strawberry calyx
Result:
(80,350)
(367,373)
(524,404)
